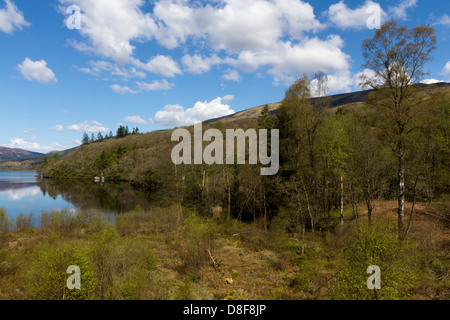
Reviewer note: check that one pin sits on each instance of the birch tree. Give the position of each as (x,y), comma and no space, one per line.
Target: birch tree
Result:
(397,57)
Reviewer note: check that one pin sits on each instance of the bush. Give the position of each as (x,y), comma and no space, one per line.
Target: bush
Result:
(47,276)
(5,224)
(375,245)
(198,244)
(103,256)
(24,222)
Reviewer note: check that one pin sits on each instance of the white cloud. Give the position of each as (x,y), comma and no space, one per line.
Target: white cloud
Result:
(29,130)
(364,75)
(346,18)
(155,85)
(233,25)
(122,90)
(228,98)
(57,128)
(135,120)
(444,20)
(232,75)
(11,18)
(163,65)
(287,61)
(37,71)
(86,127)
(111,25)
(176,115)
(431,81)
(32,146)
(197,64)
(399,12)
(105,69)
(249,35)
(446,70)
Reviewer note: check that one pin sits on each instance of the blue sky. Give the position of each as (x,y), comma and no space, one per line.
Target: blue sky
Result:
(164,63)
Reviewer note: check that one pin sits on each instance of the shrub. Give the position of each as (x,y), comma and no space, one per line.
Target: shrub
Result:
(24,222)
(375,245)
(5,224)
(103,257)
(198,244)
(47,276)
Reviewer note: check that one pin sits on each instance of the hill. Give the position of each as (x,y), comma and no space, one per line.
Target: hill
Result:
(336,101)
(8,154)
(29,163)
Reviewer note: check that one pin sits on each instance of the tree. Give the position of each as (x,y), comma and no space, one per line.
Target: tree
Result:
(397,55)
(335,149)
(298,121)
(92,139)
(85,139)
(120,132)
(100,137)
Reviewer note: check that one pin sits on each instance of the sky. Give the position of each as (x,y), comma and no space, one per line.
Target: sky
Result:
(74,66)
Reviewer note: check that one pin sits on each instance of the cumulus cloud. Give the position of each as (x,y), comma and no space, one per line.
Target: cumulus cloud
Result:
(110,26)
(287,61)
(86,127)
(11,18)
(163,65)
(233,25)
(135,120)
(243,36)
(232,75)
(176,115)
(122,89)
(197,64)
(37,71)
(345,18)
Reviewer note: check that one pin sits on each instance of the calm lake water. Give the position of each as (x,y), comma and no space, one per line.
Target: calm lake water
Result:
(24,192)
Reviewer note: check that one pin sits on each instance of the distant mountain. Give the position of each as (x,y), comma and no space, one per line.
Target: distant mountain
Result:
(8,154)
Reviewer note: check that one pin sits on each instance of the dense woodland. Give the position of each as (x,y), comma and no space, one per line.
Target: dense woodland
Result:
(340,168)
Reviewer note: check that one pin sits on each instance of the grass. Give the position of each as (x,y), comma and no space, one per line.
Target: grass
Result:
(172,253)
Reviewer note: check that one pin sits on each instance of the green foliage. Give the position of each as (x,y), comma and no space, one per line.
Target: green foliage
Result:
(198,244)
(334,145)
(377,245)
(194,197)
(24,222)
(102,255)
(5,224)
(47,276)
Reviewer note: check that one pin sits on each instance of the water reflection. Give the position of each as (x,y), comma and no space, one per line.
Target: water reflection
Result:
(23,192)
(108,197)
